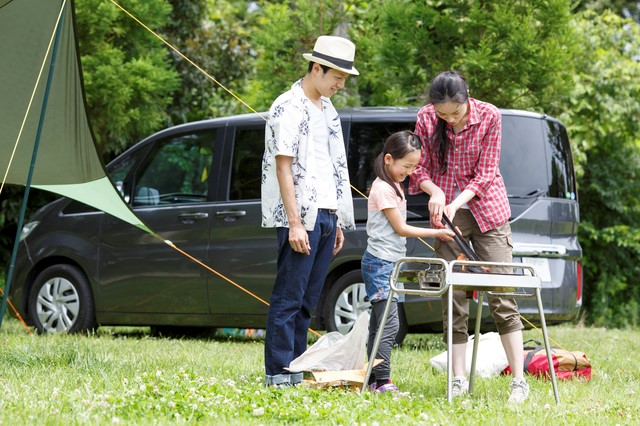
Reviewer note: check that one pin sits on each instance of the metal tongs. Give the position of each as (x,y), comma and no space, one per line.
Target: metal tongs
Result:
(464,246)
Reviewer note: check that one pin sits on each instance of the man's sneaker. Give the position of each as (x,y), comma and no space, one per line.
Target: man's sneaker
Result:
(281,381)
(389,387)
(296,378)
(460,386)
(519,391)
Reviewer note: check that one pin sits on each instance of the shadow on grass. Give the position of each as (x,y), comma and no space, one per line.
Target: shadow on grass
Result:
(184,333)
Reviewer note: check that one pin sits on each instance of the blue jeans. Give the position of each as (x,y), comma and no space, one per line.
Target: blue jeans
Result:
(376,273)
(296,291)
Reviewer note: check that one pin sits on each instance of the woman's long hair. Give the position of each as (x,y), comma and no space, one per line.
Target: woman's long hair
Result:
(398,145)
(448,86)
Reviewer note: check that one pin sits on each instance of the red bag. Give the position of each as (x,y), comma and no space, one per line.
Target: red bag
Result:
(566,364)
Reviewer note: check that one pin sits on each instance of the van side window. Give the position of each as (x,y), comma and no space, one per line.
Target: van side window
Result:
(365,143)
(523,158)
(246,166)
(562,173)
(177,171)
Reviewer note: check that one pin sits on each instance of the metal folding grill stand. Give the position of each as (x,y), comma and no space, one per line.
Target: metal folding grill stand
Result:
(417,276)
(431,277)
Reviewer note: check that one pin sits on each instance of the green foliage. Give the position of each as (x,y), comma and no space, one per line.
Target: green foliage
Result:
(513,54)
(612,296)
(284,31)
(127,74)
(9,210)
(602,116)
(214,35)
(10,205)
(624,8)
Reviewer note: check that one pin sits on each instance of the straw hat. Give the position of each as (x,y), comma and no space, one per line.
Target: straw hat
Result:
(334,52)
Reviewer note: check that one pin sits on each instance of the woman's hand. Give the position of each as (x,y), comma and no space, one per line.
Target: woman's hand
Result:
(450,210)
(436,206)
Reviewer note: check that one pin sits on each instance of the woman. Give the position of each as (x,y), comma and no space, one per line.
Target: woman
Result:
(458,168)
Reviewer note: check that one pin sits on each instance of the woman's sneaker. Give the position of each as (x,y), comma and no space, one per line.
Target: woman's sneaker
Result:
(519,391)
(459,387)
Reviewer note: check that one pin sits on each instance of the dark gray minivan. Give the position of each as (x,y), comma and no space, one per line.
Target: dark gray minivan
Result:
(198,185)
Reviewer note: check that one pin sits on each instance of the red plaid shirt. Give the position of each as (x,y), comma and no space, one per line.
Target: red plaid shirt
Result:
(473,157)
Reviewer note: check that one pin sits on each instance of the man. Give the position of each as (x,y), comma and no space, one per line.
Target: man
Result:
(306,195)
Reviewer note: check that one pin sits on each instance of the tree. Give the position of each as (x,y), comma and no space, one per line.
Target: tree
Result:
(513,54)
(602,117)
(284,31)
(214,35)
(624,8)
(127,73)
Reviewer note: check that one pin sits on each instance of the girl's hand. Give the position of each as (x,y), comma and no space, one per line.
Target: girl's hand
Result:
(445,234)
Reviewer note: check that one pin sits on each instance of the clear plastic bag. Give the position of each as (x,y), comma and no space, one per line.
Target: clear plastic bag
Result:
(335,351)
(491,358)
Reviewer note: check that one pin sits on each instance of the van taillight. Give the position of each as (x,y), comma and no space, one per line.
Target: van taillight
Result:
(579,287)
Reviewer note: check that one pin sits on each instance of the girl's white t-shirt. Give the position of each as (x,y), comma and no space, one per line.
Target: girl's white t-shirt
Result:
(384,242)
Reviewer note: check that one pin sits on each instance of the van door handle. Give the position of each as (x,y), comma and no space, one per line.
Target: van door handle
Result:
(192,217)
(231,215)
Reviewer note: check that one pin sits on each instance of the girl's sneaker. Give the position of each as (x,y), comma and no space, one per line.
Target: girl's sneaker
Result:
(389,387)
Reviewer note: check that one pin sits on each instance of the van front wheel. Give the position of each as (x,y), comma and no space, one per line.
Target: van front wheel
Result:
(60,301)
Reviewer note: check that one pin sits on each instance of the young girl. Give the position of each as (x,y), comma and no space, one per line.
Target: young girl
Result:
(387,233)
(461,139)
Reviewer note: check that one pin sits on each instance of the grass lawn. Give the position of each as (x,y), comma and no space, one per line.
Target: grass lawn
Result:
(125,376)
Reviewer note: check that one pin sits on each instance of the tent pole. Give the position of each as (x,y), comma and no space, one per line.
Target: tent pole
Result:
(27,189)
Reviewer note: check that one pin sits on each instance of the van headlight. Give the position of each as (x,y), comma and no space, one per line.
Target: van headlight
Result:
(28,228)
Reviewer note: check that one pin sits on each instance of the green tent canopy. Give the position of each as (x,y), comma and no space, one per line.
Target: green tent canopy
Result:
(67,161)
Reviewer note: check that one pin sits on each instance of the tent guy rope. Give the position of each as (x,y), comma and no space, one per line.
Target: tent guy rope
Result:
(15,311)
(186,58)
(173,246)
